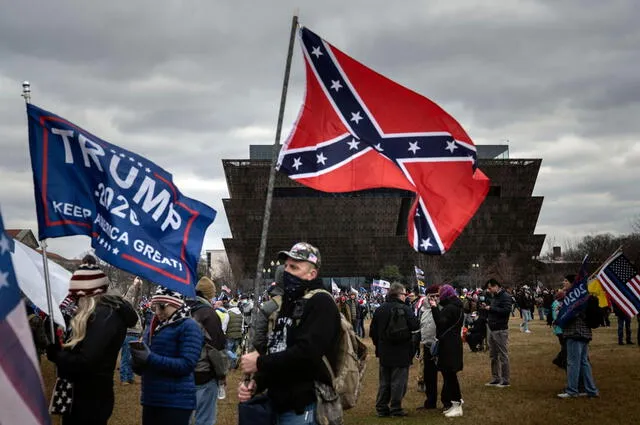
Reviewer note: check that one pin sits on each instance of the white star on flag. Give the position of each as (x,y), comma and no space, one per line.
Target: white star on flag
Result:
(355,116)
(115,251)
(378,147)
(122,155)
(132,159)
(112,151)
(335,85)
(4,279)
(297,163)
(451,146)
(321,158)
(426,243)
(140,164)
(413,147)
(316,52)
(353,144)
(4,244)
(148,170)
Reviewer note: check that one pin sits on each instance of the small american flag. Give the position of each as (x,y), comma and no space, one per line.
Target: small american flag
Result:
(621,281)
(21,399)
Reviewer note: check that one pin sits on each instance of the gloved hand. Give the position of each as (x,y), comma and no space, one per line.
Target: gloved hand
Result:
(141,355)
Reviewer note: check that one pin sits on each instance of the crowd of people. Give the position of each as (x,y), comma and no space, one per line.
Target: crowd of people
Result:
(183,348)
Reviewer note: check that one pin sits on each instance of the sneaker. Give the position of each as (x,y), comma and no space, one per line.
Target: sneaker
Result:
(399,413)
(503,385)
(455,411)
(222,392)
(582,394)
(528,331)
(567,395)
(493,383)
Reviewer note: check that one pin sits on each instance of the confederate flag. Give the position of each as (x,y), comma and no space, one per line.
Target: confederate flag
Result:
(359,130)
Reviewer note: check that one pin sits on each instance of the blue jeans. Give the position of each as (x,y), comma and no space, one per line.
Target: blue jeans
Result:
(624,324)
(126,373)
(526,316)
(291,418)
(232,346)
(578,364)
(206,403)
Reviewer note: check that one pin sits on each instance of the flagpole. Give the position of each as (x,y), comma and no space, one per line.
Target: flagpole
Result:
(26,94)
(272,172)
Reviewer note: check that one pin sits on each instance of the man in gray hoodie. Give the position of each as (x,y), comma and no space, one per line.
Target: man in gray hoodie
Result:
(427,338)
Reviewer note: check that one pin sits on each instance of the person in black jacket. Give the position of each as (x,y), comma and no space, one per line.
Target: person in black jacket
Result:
(88,359)
(395,351)
(449,322)
(205,378)
(498,321)
(306,330)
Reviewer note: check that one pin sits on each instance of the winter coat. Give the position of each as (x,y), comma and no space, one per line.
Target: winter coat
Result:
(577,328)
(392,354)
(264,321)
(427,325)
(312,332)
(90,364)
(236,319)
(448,327)
(500,311)
(168,380)
(203,313)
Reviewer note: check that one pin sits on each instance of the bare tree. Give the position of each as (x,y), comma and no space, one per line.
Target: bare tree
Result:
(222,272)
(504,269)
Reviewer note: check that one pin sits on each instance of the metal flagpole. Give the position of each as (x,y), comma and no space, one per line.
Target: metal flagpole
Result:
(272,172)
(26,93)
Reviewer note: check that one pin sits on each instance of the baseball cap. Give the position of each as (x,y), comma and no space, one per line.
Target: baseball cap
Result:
(302,251)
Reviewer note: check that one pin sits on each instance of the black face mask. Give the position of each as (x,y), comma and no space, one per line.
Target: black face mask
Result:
(294,287)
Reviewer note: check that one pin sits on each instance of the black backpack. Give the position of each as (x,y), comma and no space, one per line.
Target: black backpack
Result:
(593,314)
(397,329)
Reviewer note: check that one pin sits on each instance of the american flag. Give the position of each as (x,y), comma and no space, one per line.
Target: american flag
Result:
(21,398)
(359,130)
(621,281)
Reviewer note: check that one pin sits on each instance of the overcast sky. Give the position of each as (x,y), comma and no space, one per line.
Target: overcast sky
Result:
(188,83)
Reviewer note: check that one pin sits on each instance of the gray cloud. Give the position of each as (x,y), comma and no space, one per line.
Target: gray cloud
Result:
(188,84)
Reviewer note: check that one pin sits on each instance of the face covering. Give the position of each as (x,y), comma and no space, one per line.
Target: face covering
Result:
(294,287)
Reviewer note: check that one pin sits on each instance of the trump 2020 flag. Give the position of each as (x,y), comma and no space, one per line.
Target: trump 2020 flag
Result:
(575,299)
(21,398)
(359,130)
(136,217)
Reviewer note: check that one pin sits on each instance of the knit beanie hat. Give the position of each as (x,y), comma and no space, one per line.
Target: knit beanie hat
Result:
(167,296)
(206,287)
(570,277)
(88,280)
(447,291)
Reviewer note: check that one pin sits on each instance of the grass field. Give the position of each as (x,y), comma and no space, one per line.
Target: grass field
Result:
(530,400)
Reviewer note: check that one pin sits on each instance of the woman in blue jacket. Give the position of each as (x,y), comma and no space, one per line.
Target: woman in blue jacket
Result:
(166,359)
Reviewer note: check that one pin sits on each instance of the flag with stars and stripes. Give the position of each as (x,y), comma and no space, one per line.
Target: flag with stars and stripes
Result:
(621,281)
(21,398)
(359,130)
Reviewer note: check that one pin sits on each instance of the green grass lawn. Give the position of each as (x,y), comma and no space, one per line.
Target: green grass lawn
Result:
(531,399)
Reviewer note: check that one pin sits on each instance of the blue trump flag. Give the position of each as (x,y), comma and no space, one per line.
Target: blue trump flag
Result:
(136,217)
(21,399)
(575,299)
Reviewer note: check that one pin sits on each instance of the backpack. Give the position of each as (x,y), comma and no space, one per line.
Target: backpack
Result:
(351,362)
(211,359)
(593,314)
(397,329)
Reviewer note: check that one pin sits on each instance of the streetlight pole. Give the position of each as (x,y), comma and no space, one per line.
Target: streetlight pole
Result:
(476,272)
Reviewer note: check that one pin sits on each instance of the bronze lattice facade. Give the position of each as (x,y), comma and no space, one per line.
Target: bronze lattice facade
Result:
(359,232)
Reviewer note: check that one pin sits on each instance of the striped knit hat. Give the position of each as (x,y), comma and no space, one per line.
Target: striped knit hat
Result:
(167,296)
(88,281)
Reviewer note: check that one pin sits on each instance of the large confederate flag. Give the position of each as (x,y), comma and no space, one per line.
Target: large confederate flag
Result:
(359,130)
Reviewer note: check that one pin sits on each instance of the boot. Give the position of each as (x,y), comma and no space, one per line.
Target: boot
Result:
(455,411)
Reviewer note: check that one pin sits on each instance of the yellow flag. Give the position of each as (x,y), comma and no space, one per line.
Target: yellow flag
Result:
(595,288)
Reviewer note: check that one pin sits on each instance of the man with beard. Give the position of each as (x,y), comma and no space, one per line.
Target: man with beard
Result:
(305,331)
